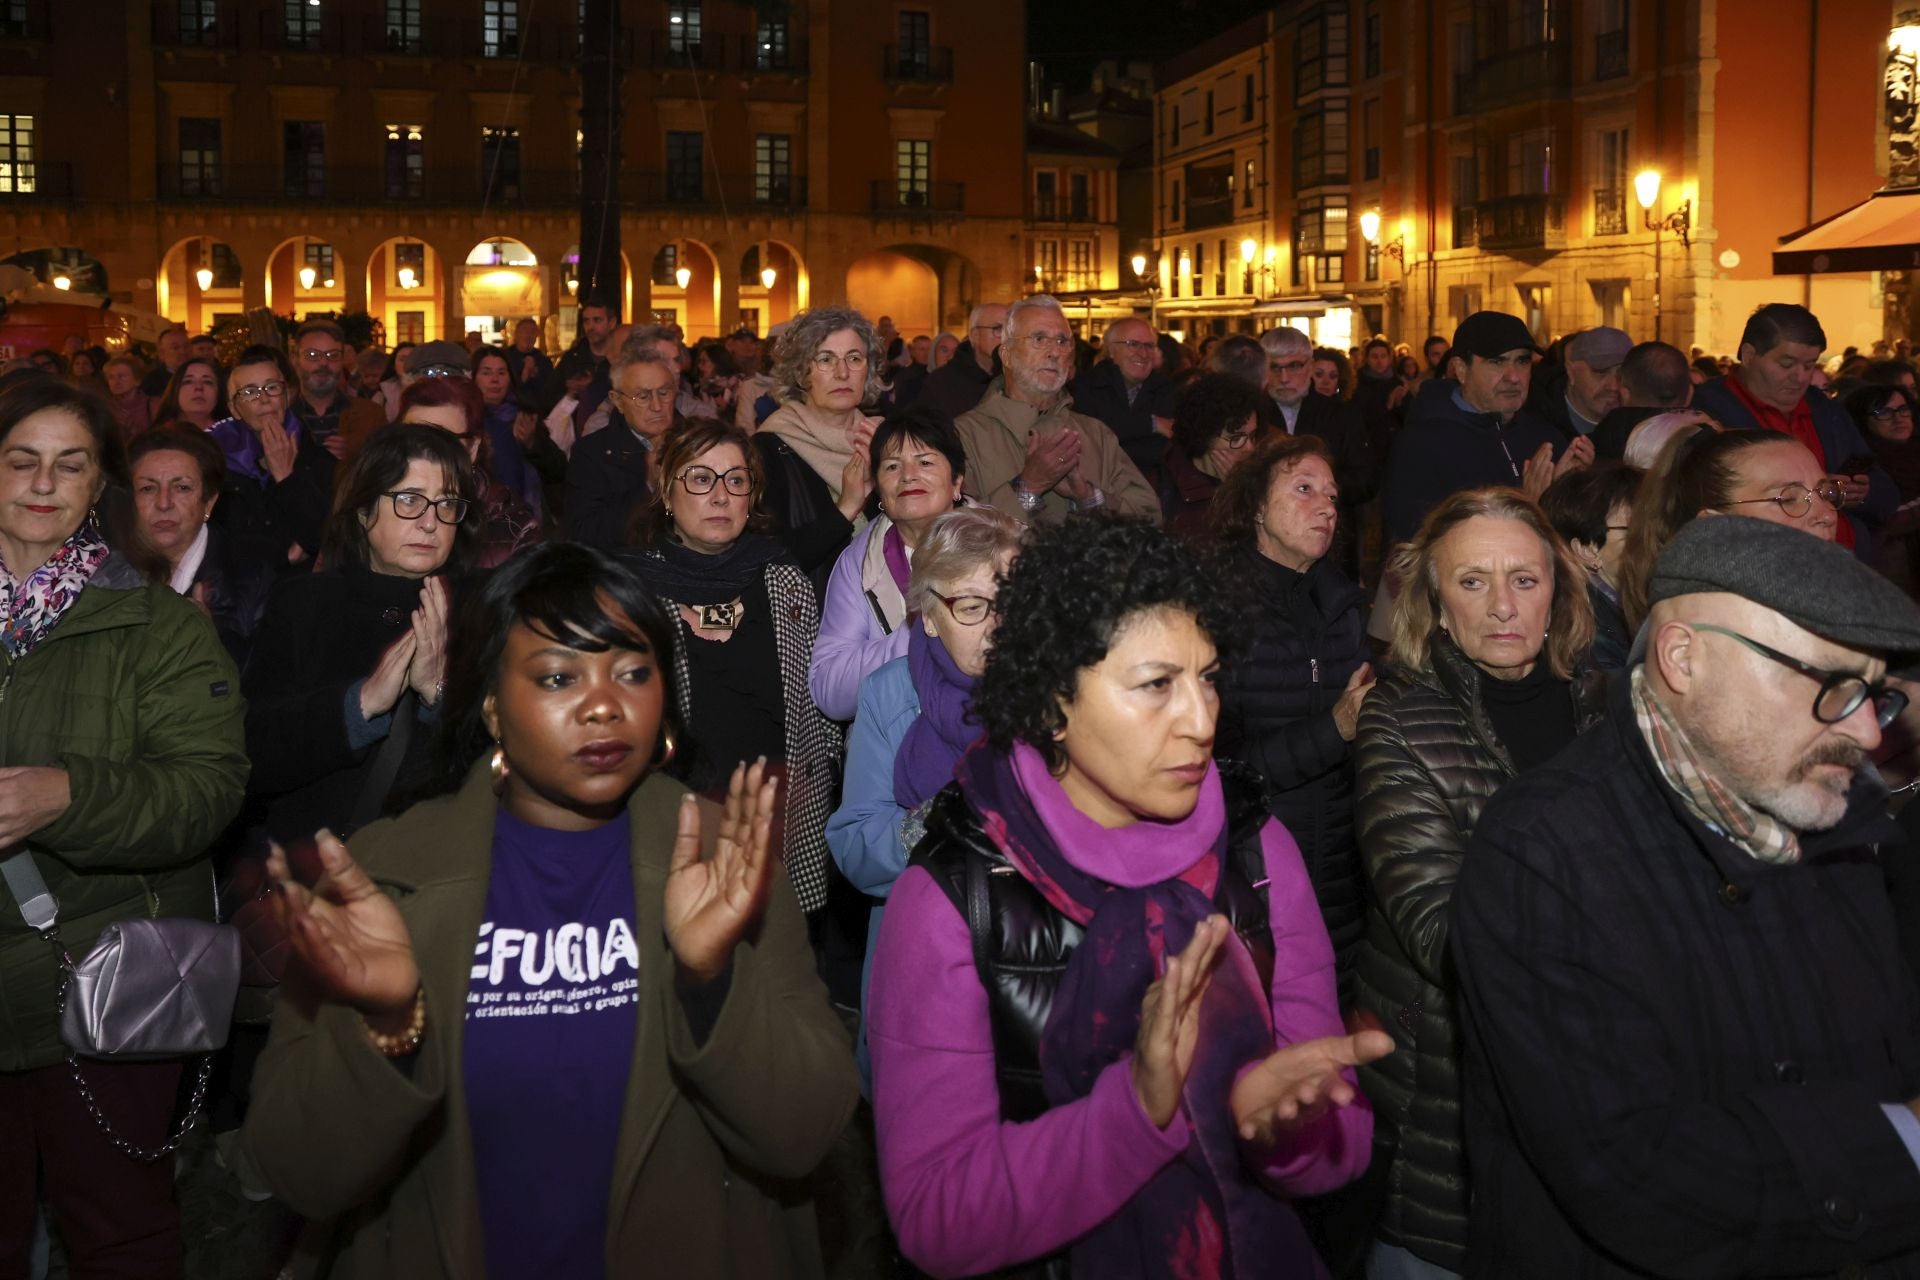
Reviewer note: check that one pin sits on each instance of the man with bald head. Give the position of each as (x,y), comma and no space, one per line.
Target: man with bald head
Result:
(1655,378)
(1127,391)
(1693,1044)
(961,382)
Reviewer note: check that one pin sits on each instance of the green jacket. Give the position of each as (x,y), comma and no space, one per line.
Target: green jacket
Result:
(714,1138)
(132,694)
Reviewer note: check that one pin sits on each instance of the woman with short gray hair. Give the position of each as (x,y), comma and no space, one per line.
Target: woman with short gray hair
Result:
(913,719)
(813,448)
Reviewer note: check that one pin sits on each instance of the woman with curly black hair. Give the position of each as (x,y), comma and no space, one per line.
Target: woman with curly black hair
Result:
(1214,426)
(1139,1050)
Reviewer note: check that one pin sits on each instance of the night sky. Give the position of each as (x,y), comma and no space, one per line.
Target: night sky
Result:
(1071,36)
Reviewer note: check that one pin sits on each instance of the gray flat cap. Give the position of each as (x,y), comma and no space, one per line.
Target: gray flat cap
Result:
(1812,583)
(1601,349)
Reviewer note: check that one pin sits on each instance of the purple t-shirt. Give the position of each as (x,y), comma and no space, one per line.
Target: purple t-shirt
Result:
(550,1018)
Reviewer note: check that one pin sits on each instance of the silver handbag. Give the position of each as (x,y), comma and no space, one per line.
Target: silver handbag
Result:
(149,990)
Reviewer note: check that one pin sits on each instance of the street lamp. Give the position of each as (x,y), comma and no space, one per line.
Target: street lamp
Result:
(63,281)
(1646,189)
(1370,232)
(682,276)
(205,278)
(767,276)
(307,276)
(406,277)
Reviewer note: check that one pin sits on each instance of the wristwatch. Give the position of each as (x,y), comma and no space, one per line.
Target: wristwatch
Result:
(1028,500)
(1094,499)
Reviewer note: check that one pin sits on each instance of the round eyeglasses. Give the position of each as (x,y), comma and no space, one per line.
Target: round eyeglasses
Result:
(1841,692)
(1795,500)
(698,480)
(410,504)
(850,361)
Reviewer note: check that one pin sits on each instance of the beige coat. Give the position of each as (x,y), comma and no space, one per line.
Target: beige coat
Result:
(714,1138)
(995,433)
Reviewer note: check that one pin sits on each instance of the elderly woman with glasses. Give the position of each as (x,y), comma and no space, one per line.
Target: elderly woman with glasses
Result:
(349,660)
(745,621)
(813,449)
(283,477)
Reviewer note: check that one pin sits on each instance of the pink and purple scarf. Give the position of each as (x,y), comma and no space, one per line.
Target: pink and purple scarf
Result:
(29,609)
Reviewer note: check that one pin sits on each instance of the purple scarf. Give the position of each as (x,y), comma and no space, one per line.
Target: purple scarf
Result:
(29,609)
(936,740)
(1203,1214)
(894,548)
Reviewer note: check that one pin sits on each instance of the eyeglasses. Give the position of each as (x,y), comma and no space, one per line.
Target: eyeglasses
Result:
(410,504)
(1134,344)
(314,353)
(253,391)
(442,371)
(994,329)
(660,396)
(1894,411)
(1235,439)
(1058,341)
(1841,692)
(968,611)
(825,360)
(1796,499)
(697,480)
(1286,370)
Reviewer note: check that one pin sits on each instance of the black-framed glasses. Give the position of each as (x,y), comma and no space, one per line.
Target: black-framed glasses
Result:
(698,480)
(968,611)
(411,504)
(1235,439)
(254,390)
(1894,411)
(1795,500)
(1841,692)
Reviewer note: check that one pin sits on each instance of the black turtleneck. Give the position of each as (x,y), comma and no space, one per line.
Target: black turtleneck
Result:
(1532,716)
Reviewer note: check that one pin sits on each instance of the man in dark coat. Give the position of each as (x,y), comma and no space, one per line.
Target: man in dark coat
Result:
(1127,391)
(1472,428)
(961,383)
(1693,1044)
(1654,379)
(1772,388)
(608,473)
(1588,388)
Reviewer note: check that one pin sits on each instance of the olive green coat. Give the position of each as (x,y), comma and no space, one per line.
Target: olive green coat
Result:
(713,1140)
(132,694)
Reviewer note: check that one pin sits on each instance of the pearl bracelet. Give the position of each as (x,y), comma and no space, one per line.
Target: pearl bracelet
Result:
(408,1041)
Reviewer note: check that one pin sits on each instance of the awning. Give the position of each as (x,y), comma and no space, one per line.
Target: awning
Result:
(1317,305)
(1881,233)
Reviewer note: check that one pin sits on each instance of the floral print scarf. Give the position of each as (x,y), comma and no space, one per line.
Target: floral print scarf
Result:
(29,609)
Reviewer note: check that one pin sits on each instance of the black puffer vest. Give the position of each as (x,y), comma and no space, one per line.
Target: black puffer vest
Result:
(1021,943)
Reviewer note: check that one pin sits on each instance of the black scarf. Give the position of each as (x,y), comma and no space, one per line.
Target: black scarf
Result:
(673,571)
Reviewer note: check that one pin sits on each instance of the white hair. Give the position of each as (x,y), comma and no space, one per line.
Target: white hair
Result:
(979,313)
(1278,341)
(1038,302)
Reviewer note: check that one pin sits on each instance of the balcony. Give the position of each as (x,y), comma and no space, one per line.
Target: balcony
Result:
(1609,211)
(1058,282)
(1526,74)
(907,199)
(1465,227)
(667,51)
(918,64)
(1610,55)
(1054,207)
(362,186)
(1522,222)
(26,19)
(751,57)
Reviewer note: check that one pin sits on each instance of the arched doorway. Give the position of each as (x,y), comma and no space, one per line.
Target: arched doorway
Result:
(773,285)
(890,283)
(304,275)
(686,289)
(199,284)
(501,285)
(406,292)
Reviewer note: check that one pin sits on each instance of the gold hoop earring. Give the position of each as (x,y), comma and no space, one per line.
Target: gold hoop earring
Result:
(497,769)
(664,753)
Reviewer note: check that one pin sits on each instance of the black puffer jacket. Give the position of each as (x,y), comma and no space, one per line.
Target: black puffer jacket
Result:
(1428,761)
(1276,714)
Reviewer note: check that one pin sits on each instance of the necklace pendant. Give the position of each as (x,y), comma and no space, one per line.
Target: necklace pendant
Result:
(720,617)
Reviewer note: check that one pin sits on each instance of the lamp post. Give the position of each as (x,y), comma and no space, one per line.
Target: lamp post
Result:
(1152,285)
(1395,248)
(1646,189)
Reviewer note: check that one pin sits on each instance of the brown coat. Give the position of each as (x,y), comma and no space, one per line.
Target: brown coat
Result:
(995,434)
(713,1138)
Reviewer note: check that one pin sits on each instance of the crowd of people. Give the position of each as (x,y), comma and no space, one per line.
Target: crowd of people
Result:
(1234,809)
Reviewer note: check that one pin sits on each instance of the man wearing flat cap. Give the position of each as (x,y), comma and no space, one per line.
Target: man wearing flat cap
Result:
(1693,1046)
(1472,428)
(1588,388)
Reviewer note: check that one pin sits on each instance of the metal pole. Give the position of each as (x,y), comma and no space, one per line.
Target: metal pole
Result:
(1656,280)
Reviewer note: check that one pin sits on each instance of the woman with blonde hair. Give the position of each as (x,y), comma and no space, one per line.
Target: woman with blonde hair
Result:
(1487,679)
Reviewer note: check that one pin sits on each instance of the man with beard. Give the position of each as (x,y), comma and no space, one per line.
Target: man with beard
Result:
(1028,453)
(329,413)
(1693,1047)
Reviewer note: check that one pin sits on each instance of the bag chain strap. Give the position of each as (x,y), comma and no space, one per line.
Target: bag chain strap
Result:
(145,1154)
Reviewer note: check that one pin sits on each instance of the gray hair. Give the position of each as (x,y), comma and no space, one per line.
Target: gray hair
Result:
(634,353)
(648,336)
(979,313)
(944,336)
(1278,341)
(956,544)
(1038,302)
(805,334)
